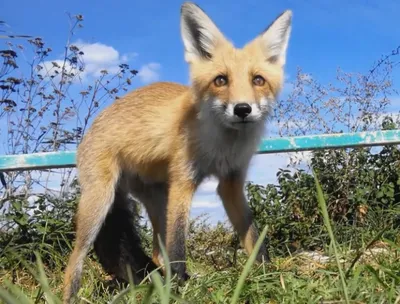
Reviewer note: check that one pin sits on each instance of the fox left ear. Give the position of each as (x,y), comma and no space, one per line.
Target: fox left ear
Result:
(199,33)
(276,37)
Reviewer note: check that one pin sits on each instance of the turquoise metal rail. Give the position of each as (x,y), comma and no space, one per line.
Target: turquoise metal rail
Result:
(273,145)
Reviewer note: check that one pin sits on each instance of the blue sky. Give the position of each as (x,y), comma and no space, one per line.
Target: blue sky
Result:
(325,35)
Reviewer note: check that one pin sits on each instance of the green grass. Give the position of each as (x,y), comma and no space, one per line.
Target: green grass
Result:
(288,280)
(349,277)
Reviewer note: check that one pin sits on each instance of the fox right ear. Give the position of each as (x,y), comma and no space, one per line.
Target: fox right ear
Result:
(199,34)
(275,38)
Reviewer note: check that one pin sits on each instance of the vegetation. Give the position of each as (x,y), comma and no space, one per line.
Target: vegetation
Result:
(367,278)
(331,223)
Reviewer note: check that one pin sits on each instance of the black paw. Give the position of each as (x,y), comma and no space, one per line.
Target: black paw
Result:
(263,256)
(180,270)
(185,277)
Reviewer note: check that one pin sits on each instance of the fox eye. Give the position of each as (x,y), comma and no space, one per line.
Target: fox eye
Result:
(258,80)
(221,80)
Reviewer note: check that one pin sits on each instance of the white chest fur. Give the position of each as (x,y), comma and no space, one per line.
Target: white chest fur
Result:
(222,151)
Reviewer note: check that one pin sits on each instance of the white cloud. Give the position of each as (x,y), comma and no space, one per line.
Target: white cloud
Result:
(263,167)
(149,72)
(208,187)
(206,204)
(97,57)
(98,52)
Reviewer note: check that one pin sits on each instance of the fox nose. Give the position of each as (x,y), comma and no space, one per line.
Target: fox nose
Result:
(242,110)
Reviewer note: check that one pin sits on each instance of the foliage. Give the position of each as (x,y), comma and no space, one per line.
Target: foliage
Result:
(290,210)
(284,281)
(47,104)
(45,227)
(212,245)
(361,186)
(353,102)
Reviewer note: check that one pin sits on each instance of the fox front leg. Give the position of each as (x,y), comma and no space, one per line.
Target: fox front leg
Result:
(181,191)
(231,191)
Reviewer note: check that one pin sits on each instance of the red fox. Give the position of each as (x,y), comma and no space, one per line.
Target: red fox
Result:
(159,142)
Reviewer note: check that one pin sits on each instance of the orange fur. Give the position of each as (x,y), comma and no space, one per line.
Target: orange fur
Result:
(160,141)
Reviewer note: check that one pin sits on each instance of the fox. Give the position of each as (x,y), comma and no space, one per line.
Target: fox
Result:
(155,145)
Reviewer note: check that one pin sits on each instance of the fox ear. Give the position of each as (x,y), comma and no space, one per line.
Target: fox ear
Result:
(199,34)
(276,37)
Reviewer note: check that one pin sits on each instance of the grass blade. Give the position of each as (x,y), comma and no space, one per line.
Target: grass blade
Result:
(167,266)
(324,211)
(248,265)
(50,297)
(361,252)
(7,297)
(18,297)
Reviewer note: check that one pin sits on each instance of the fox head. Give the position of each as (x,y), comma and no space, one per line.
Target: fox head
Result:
(235,86)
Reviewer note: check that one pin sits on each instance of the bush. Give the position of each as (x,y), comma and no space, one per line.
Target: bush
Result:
(361,189)
(47,227)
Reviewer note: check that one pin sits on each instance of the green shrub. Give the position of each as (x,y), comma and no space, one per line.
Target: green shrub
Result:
(362,190)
